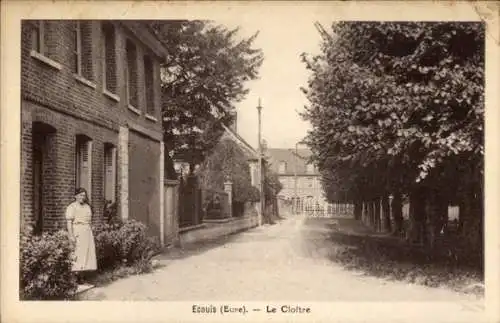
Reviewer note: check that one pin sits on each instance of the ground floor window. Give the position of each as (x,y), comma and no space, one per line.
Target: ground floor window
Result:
(84,163)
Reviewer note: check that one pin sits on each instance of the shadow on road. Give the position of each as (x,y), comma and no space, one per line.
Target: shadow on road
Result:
(197,248)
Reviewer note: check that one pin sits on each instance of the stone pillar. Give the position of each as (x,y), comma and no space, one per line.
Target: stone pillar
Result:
(123,154)
(228,188)
(162,193)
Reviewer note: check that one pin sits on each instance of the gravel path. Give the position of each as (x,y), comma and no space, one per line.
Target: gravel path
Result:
(285,262)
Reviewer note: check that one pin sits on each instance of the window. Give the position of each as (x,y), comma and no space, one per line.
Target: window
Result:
(282,168)
(131,74)
(150,88)
(82,51)
(109,172)
(37,37)
(84,163)
(109,58)
(310,182)
(310,168)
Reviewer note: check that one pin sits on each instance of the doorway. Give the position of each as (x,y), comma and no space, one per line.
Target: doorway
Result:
(41,138)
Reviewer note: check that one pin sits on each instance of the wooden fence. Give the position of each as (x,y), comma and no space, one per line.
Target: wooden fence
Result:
(196,204)
(190,202)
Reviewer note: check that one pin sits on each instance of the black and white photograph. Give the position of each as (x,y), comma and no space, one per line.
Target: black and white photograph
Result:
(250,161)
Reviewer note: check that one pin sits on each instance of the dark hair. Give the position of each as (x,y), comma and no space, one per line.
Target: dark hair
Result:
(82,190)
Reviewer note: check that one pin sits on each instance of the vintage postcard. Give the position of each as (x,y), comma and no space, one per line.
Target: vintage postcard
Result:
(250,161)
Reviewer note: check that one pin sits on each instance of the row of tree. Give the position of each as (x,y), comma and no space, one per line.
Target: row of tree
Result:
(397,110)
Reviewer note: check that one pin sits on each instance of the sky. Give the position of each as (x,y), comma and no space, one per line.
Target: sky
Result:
(281,76)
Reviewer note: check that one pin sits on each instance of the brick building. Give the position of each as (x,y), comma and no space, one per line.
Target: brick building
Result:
(91,117)
(299,177)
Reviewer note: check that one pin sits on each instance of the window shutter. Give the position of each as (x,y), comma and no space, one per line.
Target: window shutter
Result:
(86,166)
(110,173)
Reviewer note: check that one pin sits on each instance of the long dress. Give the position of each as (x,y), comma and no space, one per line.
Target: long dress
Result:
(85,253)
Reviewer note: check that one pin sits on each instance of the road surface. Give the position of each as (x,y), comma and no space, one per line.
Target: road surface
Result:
(288,261)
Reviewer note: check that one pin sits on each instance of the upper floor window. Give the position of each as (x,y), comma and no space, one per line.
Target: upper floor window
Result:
(282,167)
(310,168)
(82,50)
(38,37)
(109,60)
(150,89)
(131,78)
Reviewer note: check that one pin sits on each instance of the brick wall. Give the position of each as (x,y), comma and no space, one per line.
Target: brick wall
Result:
(59,89)
(140,117)
(53,95)
(59,165)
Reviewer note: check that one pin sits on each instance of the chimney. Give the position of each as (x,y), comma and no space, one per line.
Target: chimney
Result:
(234,123)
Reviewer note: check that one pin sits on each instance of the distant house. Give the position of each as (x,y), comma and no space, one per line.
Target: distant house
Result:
(299,178)
(180,164)
(252,154)
(91,117)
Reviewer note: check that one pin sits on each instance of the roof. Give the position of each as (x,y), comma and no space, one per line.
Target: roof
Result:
(146,35)
(294,162)
(250,151)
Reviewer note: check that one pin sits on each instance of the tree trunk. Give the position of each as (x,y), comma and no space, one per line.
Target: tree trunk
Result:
(376,207)
(358,209)
(386,213)
(437,215)
(364,213)
(416,232)
(471,217)
(371,216)
(397,213)
(461,215)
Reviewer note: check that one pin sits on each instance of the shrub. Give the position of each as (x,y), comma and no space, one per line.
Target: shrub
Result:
(45,266)
(135,244)
(107,243)
(124,243)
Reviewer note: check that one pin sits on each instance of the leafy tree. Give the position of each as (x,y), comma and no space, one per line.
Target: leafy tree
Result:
(202,77)
(398,108)
(272,184)
(228,161)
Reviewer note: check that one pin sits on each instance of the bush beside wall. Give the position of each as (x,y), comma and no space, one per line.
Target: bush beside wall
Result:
(46,259)
(45,266)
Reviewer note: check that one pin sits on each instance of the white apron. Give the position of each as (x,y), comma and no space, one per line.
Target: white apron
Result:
(85,254)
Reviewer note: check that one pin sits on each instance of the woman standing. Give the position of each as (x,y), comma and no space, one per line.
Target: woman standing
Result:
(78,217)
